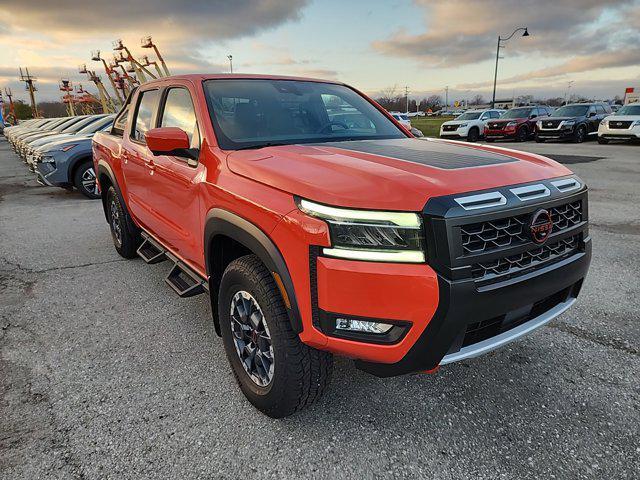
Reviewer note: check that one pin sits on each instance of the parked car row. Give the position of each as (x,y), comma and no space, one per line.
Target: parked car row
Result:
(58,150)
(576,122)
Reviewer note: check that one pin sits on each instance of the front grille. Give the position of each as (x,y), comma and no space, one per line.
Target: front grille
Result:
(478,331)
(551,123)
(536,257)
(449,128)
(619,125)
(496,126)
(484,237)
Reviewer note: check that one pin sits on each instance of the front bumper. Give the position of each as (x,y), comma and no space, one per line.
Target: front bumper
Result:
(492,134)
(562,133)
(619,133)
(450,312)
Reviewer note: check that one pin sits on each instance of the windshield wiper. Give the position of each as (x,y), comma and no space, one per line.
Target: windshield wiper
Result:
(262,145)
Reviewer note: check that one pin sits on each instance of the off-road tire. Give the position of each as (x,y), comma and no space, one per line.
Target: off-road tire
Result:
(300,373)
(80,180)
(125,240)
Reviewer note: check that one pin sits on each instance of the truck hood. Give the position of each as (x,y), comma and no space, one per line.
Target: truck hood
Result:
(397,174)
(80,141)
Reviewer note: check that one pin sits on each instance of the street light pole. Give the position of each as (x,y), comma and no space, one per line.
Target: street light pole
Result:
(230,57)
(500,45)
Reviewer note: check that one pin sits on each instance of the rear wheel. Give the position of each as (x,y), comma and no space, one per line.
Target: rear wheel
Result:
(473,135)
(124,240)
(84,180)
(277,373)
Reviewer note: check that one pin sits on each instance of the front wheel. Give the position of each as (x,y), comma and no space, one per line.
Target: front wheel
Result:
(473,135)
(522,135)
(580,135)
(85,180)
(277,373)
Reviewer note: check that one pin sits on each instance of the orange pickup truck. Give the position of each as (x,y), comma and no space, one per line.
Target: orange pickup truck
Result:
(318,225)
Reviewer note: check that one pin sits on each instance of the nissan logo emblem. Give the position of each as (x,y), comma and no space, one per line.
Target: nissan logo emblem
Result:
(540,226)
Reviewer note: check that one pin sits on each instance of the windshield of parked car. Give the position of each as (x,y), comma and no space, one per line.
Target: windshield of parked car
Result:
(469,116)
(629,110)
(571,111)
(517,113)
(253,113)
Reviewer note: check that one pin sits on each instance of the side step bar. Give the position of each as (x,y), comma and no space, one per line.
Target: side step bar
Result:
(151,251)
(181,278)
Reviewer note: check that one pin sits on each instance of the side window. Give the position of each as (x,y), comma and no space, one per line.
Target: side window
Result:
(495,114)
(147,104)
(600,110)
(592,109)
(535,112)
(179,112)
(120,123)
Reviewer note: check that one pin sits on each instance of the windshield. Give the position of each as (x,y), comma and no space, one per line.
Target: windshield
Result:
(517,113)
(469,116)
(252,113)
(572,111)
(629,110)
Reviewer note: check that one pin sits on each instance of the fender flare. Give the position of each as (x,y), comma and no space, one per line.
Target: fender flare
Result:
(73,163)
(223,222)
(105,169)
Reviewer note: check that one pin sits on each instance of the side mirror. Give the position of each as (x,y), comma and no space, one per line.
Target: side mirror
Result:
(592,114)
(533,115)
(171,141)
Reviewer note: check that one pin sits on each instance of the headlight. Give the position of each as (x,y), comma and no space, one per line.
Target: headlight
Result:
(568,123)
(512,124)
(377,236)
(462,125)
(46,159)
(539,124)
(636,123)
(605,123)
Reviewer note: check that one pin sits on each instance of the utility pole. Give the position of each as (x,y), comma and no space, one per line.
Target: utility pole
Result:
(230,57)
(406,94)
(566,93)
(31,87)
(446,97)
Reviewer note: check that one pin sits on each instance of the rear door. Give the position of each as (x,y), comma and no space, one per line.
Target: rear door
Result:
(173,192)
(137,159)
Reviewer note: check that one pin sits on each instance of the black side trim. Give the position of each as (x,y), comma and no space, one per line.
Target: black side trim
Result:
(223,222)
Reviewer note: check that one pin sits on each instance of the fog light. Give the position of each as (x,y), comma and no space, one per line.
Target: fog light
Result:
(351,325)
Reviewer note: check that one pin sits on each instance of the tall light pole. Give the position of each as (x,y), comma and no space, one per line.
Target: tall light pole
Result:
(566,93)
(500,45)
(406,94)
(230,57)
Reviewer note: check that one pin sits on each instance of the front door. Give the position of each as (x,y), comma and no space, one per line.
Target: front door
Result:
(173,194)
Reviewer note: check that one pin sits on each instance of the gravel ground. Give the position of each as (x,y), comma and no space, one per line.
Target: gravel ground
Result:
(105,374)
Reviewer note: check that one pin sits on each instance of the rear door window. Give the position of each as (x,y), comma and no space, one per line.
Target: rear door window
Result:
(179,112)
(145,115)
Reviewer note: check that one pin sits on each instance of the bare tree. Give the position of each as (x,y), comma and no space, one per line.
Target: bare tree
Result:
(477,100)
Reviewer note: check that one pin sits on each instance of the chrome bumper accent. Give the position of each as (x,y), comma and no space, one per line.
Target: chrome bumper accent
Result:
(509,336)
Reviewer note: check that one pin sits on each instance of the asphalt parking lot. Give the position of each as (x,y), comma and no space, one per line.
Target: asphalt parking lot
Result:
(104,373)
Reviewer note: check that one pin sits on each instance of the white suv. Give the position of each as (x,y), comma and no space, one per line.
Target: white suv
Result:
(469,125)
(622,125)
(402,118)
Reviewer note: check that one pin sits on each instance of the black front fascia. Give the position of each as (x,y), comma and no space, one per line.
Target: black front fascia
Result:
(464,300)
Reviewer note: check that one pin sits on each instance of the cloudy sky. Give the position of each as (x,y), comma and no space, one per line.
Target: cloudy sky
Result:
(371,44)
